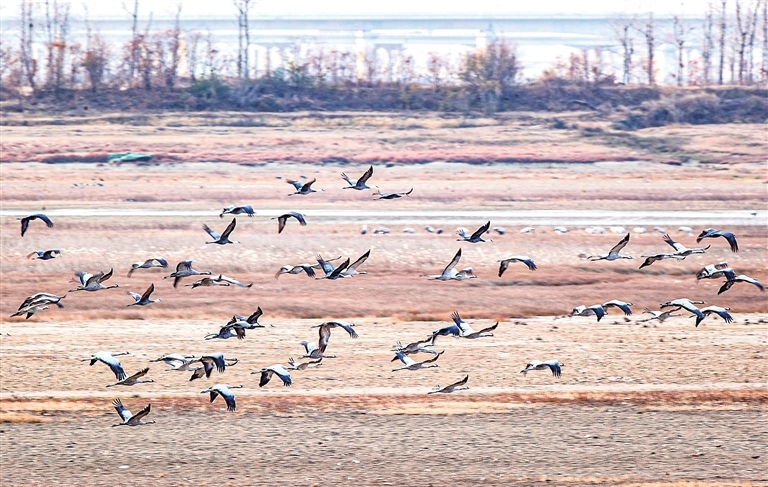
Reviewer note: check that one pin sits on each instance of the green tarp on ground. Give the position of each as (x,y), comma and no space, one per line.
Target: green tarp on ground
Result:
(129,157)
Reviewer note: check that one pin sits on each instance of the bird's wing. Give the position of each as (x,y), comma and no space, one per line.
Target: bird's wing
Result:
(281,372)
(45,218)
(731,238)
(184,265)
(503,266)
(325,335)
(148,292)
(327,268)
(465,328)
(266,374)
(360,259)
(480,231)
(433,359)
(229,228)
(121,410)
(24,225)
(140,415)
(598,310)
(138,374)
(346,327)
(309,270)
(453,262)
(529,263)
(365,177)
(255,316)
(308,185)
(211,232)
(617,248)
(490,328)
(240,331)
(339,269)
(135,296)
(105,277)
(460,383)
(296,184)
(405,359)
(752,280)
(214,395)
(351,182)
(299,217)
(674,244)
(161,261)
(726,286)
(281,223)
(50,253)
(229,398)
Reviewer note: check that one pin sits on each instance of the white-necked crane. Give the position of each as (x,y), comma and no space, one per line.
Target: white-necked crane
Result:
(109,359)
(732,278)
(134,379)
(210,361)
(226,331)
(721,312)
(30,310)
(143,299)
(224,391)
(650,259)
(596,310)
(237,210)
(331,272)
(411,364)
(302,188)
(712,271)
(293,365)
(311,351)
(325,332)
(25,221)
(248,322)
(44,254)
(184,269)
(504,263)
(93,282)
(686,304)
(179,362)
(351,270)
(222,239)
(456,386)
(658,315)
(613,254)
(681,249)
(266,375)
(360,183)
(283,219)
(148,264)
(467,331)
(450,272)
(391,196)
(552,365)
(296,269)
(477,236)
(131,419)
(712,233)
(615,303)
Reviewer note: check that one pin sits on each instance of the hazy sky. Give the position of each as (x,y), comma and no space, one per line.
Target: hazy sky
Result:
(271,8)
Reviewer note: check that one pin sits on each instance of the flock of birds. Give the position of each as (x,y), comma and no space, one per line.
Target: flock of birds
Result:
(316,352)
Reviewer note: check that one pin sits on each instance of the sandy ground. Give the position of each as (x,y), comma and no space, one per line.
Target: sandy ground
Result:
(638,403)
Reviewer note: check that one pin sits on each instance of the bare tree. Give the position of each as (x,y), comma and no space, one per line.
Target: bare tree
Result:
(243,36)
(723,28)
(435,66)
(751,42)
(56,30)
(193,53)
(764,64)
(679,34)
(708,46)
(134,44)
(746,23)
(650,45)
(491,73)
(96,56)
(174,39)
(622,28)
(28,64)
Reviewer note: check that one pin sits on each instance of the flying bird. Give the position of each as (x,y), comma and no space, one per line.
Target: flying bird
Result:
(721,312)
(732,278)
(468,332)
(411,364)
(282,219)
(296,269)
(302,188)
(209,362)
(267,372)
(687,305)
(293,365)
(615,303)
(325,333)
(143,299)
(552,365)
(226,332)
(523,258)
(109,359)
(360,183)
(681,249)
(331,272)
(93,282)
(44,254)
(134,379)
(38,299)
(237,210)
(658,315)
(184,269)
(712,271)
(30,310)
(224,391)
(222,239)
(613,254)
(25,221)
(596,310)
(179,362)
(311,351)
(248,322)
(477,236)
(351,270)
(391,196)
(450,272)
(148,264)
(712,233)
(650,259)
(131,419)
(456,386)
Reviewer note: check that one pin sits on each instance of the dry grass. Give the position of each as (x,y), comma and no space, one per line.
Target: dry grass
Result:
(16,417)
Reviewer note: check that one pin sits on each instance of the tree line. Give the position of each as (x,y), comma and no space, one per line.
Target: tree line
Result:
(732,42)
